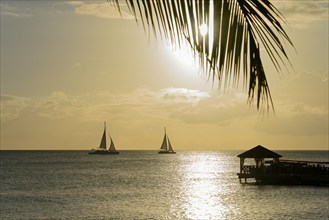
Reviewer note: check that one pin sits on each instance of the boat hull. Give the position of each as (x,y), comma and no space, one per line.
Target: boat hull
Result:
(166,152)
(104,152)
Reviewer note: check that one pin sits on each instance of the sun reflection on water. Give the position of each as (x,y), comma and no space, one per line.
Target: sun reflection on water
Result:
(201,188)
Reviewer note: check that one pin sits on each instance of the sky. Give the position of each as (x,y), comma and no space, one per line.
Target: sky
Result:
(68,66)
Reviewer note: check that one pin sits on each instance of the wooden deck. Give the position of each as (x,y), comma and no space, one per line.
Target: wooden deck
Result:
(270,169)
(287,172)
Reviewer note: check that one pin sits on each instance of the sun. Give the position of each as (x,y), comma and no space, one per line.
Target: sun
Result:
(203,29)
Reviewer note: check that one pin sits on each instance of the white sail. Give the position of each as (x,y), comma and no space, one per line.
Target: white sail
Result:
(112,147)
(170,147)
(103,141)
(164,143)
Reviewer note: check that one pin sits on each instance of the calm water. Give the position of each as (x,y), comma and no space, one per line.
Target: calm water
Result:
(145,185)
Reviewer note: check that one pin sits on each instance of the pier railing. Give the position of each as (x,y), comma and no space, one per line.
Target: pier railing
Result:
(287,170)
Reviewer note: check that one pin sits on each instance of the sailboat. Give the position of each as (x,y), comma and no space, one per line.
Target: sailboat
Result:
(102,147)
(166,147)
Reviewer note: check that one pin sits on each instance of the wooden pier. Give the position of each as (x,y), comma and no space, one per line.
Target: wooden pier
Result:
(269,169)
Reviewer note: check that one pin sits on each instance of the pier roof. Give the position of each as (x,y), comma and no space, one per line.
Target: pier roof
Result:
(259,152)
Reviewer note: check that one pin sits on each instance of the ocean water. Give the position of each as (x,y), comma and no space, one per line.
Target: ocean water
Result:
(146,185)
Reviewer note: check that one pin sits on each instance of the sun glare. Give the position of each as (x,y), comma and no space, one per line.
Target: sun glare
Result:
(203,29)
(184,55)
(202,189)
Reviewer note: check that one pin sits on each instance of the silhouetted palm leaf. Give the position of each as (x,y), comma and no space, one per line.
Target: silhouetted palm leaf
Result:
(237,30)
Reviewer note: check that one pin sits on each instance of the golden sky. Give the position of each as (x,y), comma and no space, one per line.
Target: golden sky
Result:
(67,66)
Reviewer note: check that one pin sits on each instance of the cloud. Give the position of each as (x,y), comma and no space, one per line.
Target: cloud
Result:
(308,88)
(301,109)
(305,123)
(303,13)
(182,95)
(12,106)
(58,105)
(102,10)
(11,11)
(325,76)
(190,112)
(13,14)
(298,13)
(97,106)
(215,110)
(301,106)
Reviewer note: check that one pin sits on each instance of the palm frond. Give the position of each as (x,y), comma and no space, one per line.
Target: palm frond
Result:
(238,29)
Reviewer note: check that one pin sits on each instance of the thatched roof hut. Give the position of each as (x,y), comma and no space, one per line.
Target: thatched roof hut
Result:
(270,169)
(259,152)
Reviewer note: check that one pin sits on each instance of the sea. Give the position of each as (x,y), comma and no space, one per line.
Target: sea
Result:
(147,185)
